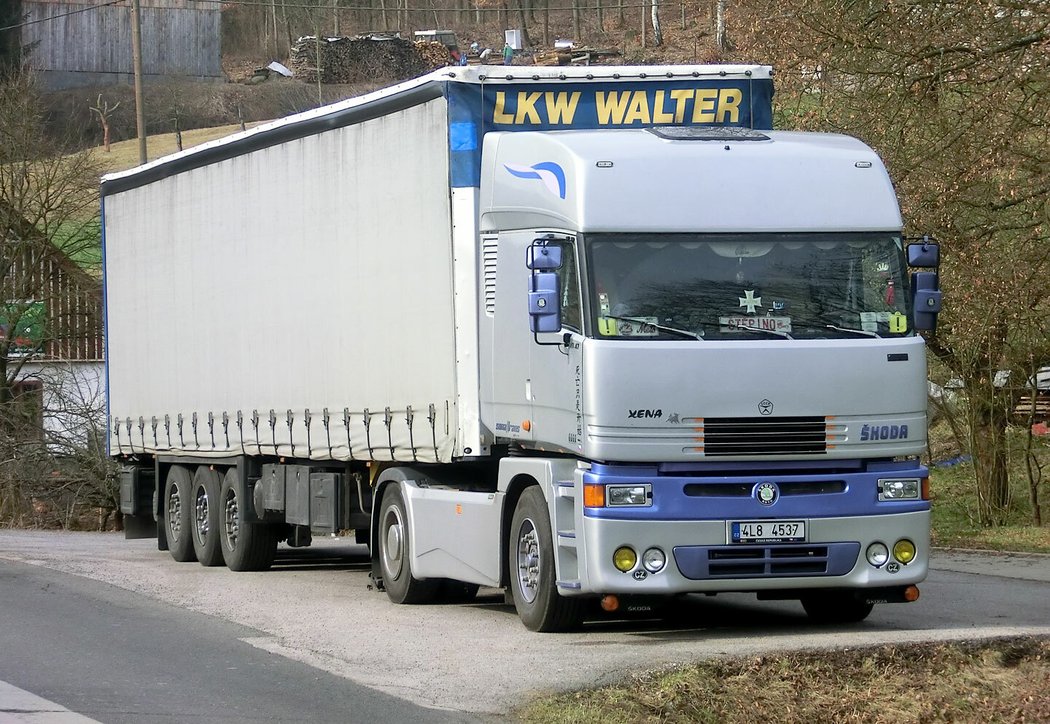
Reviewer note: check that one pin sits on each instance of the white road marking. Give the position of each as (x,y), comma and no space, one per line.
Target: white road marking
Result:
(23,707)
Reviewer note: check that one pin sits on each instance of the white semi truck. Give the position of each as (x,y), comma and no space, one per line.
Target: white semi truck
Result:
(579,333)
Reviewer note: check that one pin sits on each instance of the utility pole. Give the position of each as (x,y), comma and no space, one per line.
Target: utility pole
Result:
(136,62)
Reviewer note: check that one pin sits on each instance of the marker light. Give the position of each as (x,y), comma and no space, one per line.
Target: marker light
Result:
(625,558)
(877,554)
(904,551)
(904,489)
(593,495)
(621,496)
(654,560)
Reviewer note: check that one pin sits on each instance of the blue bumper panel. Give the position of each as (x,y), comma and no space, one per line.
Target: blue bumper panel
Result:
(713,562)
(756,493)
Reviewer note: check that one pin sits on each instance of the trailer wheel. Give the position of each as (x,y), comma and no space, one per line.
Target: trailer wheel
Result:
(530,552)
(401,586)
(246,546)
(206,518)
(836,608)
(178,517)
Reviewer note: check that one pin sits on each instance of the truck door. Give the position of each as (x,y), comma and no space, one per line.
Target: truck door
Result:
(556,365)
(535,386)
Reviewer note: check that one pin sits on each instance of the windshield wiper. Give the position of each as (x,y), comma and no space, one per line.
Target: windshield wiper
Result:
(861,332)
(663,328)
(759,330)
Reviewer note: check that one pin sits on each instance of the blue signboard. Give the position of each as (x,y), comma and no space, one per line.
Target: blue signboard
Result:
(539,106)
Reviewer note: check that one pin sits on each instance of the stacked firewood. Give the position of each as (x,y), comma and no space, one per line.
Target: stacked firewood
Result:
(434,55)
(355,60)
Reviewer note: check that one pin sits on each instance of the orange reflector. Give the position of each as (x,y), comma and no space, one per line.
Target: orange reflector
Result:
(610,603)
(526,425)
(925,488)
(911,593)
(593,495)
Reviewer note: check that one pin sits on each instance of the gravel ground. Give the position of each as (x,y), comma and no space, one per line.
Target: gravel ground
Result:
(316,607)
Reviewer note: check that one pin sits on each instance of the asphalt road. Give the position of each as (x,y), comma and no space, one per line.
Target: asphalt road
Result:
(134,635)
(116,656)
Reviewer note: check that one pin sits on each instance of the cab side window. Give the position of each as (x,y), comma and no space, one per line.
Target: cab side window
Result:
(571,314)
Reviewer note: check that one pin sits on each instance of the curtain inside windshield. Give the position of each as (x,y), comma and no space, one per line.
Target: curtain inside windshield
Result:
(742,286)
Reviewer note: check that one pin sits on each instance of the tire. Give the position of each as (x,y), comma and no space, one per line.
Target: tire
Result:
(530,560)
(246,546)
(393,545)
(836,608)
(206,516)
(178,518)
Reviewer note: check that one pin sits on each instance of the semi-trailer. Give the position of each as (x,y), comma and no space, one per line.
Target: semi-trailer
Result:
(576,333)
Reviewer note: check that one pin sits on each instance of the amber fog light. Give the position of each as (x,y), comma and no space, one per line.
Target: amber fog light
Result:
(625,558)
(904,551)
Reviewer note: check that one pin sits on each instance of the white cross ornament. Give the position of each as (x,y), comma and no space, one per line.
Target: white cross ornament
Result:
(750,301)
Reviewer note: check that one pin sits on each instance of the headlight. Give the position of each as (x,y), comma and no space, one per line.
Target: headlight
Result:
(877,554)
(629,495)
(654,560)
(904,489)
(624,558)
(904,551)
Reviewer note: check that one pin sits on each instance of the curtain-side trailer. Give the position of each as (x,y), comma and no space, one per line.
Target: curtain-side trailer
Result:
(577,333)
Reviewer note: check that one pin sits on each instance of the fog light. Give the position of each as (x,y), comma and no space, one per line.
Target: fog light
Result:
(904,551)
(654,560)
(624,558)
(877,554)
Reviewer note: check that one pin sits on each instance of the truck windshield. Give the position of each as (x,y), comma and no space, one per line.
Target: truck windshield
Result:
(747,286)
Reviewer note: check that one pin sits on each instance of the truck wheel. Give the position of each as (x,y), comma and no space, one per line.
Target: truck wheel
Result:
(205,496)
(835,608)
(246,546)
(178,518)
(401,586)
(530,557)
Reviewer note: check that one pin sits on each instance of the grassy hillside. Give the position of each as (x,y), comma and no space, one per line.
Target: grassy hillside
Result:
(125,154)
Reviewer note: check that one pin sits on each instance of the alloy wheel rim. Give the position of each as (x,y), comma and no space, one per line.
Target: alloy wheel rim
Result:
(528,560)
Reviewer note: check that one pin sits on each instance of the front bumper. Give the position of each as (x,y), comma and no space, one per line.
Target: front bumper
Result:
(700,560)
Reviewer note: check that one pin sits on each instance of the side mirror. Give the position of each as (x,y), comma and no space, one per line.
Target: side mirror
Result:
(926,298)
(542,256)
(544,303)
(925,255)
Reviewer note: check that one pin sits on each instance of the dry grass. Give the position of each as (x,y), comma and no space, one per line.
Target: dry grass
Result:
(990,681)
(125,154)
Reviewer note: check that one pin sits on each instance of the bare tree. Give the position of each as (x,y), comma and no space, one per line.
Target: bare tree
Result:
(658,35)
(49,254)
(952,94)
(103,110)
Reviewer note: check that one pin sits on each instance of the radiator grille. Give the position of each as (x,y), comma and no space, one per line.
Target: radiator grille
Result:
(725,436)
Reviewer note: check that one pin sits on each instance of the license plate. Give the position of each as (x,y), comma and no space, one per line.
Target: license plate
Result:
(767,531)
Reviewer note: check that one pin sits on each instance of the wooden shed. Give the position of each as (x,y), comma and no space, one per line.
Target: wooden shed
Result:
(75,43)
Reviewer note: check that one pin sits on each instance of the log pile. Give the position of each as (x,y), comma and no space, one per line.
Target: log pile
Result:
(355,60)
(434,55)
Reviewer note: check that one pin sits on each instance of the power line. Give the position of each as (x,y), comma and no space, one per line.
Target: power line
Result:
(319,6)
(62,15)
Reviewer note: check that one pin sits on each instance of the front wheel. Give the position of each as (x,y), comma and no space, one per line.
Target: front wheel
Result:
(530,552)
(393,549)
(836,608)
(246,545)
